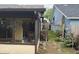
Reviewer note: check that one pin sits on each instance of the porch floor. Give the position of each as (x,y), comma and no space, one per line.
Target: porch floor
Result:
(10,49)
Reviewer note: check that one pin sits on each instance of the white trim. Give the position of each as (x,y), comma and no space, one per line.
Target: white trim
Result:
(60,11)
(65,15)
(72,17)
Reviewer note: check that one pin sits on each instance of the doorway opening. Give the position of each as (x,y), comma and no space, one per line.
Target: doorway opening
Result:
(29,31)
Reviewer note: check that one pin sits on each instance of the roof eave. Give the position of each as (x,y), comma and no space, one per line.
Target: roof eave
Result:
(72,17)
(22,9)
(60,11)
(65,15)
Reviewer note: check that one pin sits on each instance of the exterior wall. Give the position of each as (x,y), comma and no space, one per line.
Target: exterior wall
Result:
(72,26)
(56,21)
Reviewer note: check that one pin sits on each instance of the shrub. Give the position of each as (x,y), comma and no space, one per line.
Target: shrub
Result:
(59,39)
(58,36)
(58,33)
(67,41)
(76,43)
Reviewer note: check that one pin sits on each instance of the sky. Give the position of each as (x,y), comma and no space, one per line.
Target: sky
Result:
(26,1)
(47,3)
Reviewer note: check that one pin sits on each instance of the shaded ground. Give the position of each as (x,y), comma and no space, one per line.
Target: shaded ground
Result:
(54,47)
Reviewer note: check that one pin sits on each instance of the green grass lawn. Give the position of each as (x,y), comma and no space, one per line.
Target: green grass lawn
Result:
(51,35)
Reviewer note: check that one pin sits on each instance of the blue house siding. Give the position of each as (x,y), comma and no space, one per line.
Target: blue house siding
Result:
(57,17)
(75,26)
(56,21)
(72,26)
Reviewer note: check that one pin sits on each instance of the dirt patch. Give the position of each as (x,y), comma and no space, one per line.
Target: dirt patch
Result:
(50,48)
(55,48)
